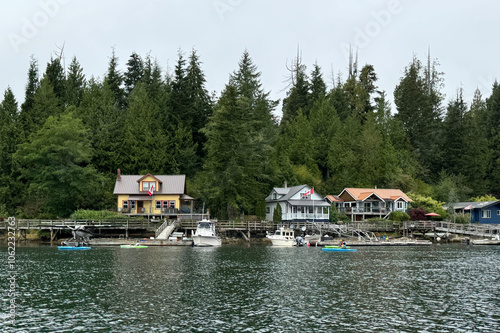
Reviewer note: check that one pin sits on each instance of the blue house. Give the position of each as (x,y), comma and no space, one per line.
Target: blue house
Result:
(487,212)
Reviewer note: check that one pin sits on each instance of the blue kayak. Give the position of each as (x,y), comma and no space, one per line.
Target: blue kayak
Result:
(73,247)
(338,249)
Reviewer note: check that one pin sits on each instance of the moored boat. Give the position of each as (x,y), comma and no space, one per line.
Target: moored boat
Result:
(283,237)
(205,234)
(73,246)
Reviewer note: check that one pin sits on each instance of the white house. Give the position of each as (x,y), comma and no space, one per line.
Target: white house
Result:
(298,203)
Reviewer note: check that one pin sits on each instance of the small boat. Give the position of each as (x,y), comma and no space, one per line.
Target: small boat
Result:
(485,242)
(338,249)
(135,246)
(205,234)
(283,237)
(73,246)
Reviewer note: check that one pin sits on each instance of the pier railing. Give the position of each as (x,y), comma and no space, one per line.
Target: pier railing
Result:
(468,229)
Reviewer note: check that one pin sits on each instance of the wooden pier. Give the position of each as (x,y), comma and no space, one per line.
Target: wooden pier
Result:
(469,229)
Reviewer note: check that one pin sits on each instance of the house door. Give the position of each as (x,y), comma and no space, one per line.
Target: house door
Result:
(140,205)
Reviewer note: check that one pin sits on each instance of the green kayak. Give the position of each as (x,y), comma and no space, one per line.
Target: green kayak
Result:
(133,246)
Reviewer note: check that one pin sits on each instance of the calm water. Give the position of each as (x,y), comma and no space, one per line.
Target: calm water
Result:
(441,288)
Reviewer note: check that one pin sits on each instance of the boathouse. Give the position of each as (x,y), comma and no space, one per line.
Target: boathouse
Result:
(298,203)
(152,195)
(364,203)
(487,212)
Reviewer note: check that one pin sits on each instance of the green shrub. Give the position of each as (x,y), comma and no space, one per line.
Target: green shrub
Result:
(83,214)
(460,218)
(399,216)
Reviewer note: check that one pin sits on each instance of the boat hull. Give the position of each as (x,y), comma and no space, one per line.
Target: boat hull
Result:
(282,242)
(206,241)
(133,246)
(337,249)
(73,247)
(486,242)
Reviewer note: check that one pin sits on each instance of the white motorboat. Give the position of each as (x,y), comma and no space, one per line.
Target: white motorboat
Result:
(283,237)
(205,234)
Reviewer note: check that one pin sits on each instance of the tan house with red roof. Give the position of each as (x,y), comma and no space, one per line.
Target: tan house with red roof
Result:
(365,203)
(152,195)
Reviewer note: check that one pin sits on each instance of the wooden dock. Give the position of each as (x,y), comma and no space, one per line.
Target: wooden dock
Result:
(469,229)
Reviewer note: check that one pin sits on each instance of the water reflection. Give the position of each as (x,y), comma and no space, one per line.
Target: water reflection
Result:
(261,288)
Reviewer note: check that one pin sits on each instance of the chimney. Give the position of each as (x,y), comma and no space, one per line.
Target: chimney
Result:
(119,177)
(285,184)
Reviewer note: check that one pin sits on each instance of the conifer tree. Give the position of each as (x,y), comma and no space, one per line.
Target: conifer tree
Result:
(454,130)
(75,83)
(31,87)
(493,118)
(114,80)
(105,121)
(298,96)
(238,143)
(318,86)
(200,101)
(9,138)
(55,168)
(134,73)
(56,78)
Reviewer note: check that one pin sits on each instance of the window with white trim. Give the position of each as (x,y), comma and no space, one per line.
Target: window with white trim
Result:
(125,204)
(400,204)
(498,212)
(486,214)
(147,185)
(268,210)
(158,204)
(132,204)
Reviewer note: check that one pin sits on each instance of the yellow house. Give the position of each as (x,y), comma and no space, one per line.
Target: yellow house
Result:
(156,195)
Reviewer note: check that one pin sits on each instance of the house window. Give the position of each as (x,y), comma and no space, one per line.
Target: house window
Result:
(310,209)
(274,196)
(172,203)
(268,210)
(147,185)
(125,204)
(498,212)
(400,204)
(158,205)
(132,204)
(486,214)
(294,209)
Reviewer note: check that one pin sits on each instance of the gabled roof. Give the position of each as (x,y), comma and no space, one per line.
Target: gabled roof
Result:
(287,192)
(149,175)
(360,194)
(473,204)
(333,198)
(128,184)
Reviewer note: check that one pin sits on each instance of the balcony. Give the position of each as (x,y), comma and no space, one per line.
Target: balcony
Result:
(362,210)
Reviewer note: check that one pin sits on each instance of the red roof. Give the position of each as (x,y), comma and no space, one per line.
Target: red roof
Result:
(360,194)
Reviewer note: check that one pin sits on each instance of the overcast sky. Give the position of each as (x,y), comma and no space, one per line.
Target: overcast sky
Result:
(462,35)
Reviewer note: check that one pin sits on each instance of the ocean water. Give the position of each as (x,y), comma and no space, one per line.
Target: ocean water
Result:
(438,288)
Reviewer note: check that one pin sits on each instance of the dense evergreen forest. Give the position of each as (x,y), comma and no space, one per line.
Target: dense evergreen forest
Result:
(60,149)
